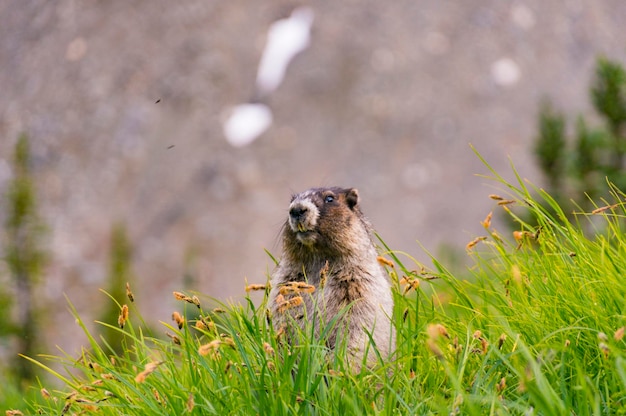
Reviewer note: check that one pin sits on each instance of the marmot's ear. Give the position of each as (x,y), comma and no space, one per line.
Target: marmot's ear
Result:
(352,197)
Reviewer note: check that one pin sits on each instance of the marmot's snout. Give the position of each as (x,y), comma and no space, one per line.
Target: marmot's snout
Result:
(298,212)
(303,215)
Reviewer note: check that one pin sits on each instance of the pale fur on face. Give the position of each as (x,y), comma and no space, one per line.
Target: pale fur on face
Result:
(302,226)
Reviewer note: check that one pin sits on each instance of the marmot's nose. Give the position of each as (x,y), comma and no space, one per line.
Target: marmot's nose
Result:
(297,212)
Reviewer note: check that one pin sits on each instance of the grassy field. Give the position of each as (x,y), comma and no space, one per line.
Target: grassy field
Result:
(535,327)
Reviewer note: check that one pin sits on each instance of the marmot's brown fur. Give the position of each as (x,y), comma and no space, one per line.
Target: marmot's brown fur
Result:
(328,243)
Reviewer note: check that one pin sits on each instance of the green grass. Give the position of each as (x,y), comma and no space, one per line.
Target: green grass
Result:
(532,328)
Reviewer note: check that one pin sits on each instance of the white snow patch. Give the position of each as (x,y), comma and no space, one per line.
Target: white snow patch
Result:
(246,123)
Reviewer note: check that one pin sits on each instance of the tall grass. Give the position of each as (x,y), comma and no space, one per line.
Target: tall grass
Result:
(535,327)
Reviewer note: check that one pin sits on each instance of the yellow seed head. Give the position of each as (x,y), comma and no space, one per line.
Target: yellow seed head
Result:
(174,338)
(281,331)
(484,345)
(268,348)
(179,296)
(205,349)
(602,209)
(179,319)
(437,330)
(121,320)
(324,274)
(287,290)
(190,403)
(475,241)
(304,287)
(385,262)
(506,202)
(129,294)
(619,334)
(290,303)
(487,222)
(255,286)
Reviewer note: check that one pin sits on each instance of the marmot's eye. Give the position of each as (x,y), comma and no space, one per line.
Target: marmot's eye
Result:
(329,199)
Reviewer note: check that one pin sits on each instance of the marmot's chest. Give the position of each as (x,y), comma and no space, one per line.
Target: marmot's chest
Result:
(344,289)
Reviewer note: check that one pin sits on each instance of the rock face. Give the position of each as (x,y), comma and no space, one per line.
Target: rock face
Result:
(124,105)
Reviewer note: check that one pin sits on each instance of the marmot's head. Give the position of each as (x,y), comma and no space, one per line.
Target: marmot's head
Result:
(325,221)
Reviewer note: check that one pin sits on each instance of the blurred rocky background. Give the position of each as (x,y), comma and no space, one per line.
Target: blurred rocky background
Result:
(123,104)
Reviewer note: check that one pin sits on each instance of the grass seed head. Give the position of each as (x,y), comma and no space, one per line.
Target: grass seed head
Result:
(304,287)
(436,330)
(290,303)
(190,403)
(96,367)
(292,288)
(179,319)
(506,202)
(255,286)
(619,334)
(487,222)
(496,197)
(201,325)
(212,346)
(605,208)
(484,345)
(385,262)
(405,314)
(174,338)
(158,398)
(281,331)
(268,348)
(121,320)
(475,241)
(287,290)
(129,294)
(411,283)
(324,274)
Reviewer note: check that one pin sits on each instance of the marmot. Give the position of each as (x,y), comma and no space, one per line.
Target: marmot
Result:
(328,244)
